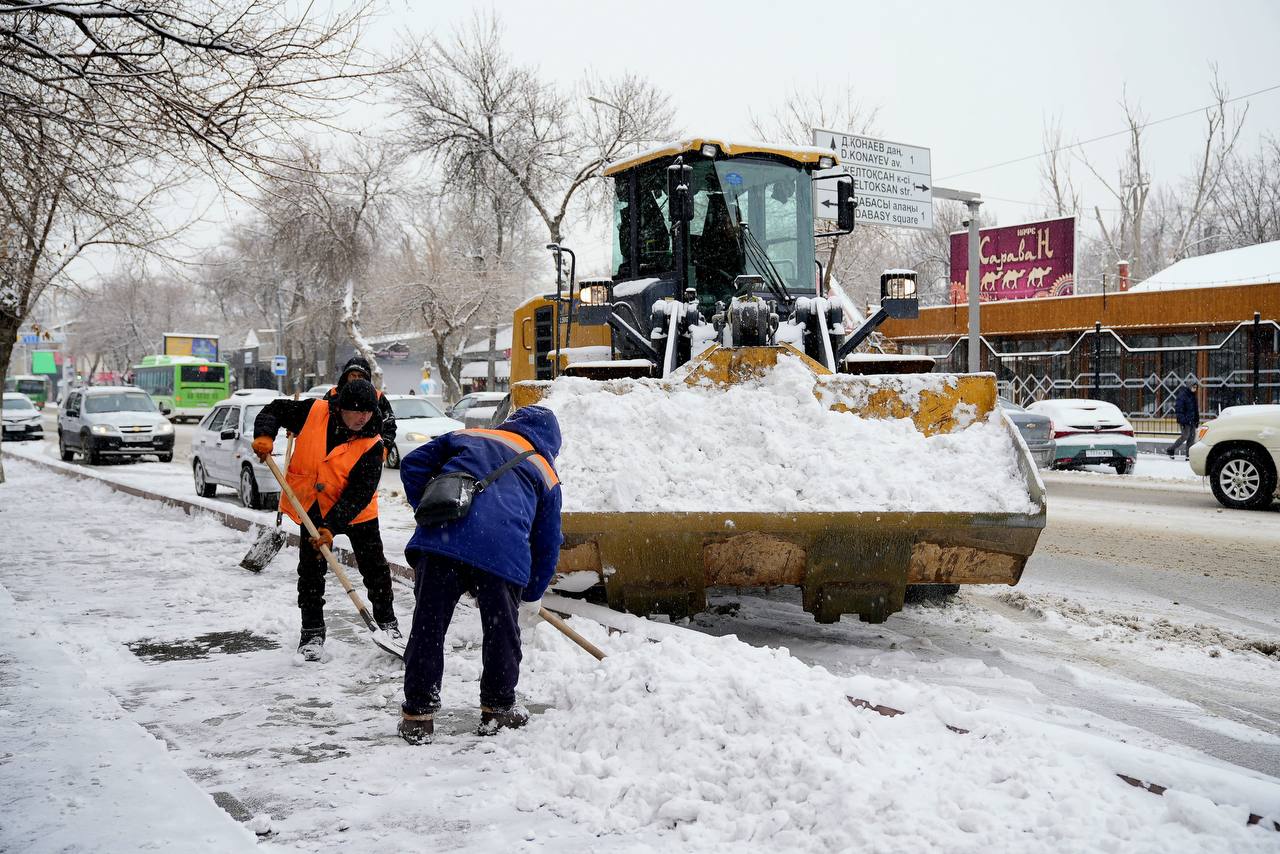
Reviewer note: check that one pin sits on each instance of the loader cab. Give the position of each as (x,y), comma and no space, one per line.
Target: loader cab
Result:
(751,211)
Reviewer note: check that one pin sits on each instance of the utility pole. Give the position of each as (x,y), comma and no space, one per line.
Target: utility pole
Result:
(492,383)
(972,201)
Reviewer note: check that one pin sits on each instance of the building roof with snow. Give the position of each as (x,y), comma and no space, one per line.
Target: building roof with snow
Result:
(1250,265)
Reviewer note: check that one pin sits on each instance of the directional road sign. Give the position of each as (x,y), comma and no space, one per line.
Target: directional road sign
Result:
(892,182)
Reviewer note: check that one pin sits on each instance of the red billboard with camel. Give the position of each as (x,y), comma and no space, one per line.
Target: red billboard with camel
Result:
(1026,261)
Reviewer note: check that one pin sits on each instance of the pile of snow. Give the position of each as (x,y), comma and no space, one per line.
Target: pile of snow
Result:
(1248,265)
(729,748)
(770,445)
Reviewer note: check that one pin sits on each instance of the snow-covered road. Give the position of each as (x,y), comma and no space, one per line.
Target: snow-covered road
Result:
(691,742)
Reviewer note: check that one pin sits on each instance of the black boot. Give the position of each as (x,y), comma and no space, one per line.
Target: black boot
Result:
(392,629)
(311,644)
(417,729)
(492,720)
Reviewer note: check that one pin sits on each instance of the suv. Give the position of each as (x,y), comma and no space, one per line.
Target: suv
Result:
(112,421)
(222,453)
(1240,452)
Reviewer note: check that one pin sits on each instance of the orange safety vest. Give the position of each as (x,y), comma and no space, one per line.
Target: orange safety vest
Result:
(317,476)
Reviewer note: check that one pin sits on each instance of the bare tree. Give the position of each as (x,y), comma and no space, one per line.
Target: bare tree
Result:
(1178,215)
(1246,207)
(94,94)
(469,105)
(1061,196)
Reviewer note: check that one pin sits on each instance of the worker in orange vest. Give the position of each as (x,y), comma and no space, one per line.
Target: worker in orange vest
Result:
(334,471)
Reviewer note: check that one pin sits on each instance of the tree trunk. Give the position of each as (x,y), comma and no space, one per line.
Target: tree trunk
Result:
(9,326)
(448,377)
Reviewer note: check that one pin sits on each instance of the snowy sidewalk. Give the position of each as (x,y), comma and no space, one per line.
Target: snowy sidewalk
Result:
(75,768)
(677,741)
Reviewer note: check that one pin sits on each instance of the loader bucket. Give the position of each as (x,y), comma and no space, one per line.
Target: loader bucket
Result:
(846,562)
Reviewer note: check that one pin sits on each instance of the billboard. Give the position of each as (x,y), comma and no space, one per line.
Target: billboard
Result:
(1027,261)
(182,344)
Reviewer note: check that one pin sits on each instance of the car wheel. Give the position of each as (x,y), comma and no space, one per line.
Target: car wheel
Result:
(66,454)
(393,458)
(91,455)
(248,490)
(204,488)
(1242,479)
(1125,467)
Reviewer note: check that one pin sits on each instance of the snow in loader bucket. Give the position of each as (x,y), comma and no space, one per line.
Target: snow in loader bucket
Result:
(757,467)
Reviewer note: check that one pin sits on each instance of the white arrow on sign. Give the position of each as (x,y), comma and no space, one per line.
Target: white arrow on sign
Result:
(893,182)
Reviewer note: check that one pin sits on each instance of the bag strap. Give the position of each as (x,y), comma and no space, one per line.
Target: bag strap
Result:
(504,468)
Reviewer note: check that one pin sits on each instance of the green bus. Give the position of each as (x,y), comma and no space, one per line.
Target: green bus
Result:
(183,386)
(38,387)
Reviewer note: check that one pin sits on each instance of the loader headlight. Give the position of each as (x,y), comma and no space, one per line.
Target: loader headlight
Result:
(709,149)
(826,162)
(898,284)
(595,294)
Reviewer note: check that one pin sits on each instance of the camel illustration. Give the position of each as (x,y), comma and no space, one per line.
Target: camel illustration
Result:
(1035,279)
(1010,281)
(989,280)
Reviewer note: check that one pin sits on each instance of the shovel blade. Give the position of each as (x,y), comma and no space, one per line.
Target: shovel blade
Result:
(387,644)
(268,544)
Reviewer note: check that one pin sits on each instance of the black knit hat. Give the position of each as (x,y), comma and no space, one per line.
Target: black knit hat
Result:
(358,396)
(356,363)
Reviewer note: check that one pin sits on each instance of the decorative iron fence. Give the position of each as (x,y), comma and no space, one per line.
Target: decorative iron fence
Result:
(1137,371)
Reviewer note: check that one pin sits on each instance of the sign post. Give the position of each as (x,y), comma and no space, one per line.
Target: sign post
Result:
(280,367)
(892,182)
(973,201)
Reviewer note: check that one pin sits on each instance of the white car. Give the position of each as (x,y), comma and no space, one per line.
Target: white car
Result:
(1089,433)
(318,391)
(21,417)
(221,452)
(1239,451)
(418,421)
(478,408)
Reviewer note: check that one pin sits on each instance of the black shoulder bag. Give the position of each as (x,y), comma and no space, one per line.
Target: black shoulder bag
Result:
(448,496)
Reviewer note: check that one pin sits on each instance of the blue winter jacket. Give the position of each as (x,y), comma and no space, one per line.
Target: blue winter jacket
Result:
(513,529)
(1185,407)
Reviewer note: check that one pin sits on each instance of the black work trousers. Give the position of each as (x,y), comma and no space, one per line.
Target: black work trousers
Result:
(366,544)
(438,584)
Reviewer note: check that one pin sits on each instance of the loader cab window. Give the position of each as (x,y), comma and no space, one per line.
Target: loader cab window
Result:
(772,197)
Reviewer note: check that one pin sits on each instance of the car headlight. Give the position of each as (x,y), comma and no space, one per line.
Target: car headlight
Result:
(418,437)
(34,419)
(102,429)
(164,428)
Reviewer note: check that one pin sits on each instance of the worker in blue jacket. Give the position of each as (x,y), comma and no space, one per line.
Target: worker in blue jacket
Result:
(503,552)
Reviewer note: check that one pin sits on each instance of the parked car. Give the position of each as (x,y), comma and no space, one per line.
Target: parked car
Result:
(318,391)
(112,421)
(418,421)
(21,417)
(1239,451)
(1036,430)
(222,454)
(477,409)
(1089,432)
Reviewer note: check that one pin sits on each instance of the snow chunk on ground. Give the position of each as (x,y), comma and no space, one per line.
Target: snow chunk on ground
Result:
(769,445)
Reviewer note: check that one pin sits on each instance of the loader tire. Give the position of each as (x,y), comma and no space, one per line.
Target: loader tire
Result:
(917,593)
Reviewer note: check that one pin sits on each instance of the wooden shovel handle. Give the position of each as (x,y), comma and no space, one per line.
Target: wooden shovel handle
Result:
(560,624)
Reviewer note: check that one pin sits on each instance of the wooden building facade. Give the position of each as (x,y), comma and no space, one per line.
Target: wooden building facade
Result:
(1133,349)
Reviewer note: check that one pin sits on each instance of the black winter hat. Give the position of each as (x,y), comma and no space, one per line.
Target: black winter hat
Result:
(358,396)
(356,363)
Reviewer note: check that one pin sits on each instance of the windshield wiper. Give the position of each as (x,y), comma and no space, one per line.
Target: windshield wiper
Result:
(772,278)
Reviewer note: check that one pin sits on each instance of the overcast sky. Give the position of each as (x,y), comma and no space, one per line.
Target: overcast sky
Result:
(972,81)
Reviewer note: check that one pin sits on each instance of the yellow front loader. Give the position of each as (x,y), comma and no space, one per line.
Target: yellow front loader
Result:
(715,279)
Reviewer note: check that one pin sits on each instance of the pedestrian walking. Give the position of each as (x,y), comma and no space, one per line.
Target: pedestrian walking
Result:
(1187,410)
(335,469)
(503,551)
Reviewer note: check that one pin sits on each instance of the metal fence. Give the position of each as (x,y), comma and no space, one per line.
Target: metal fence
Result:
(1138,371)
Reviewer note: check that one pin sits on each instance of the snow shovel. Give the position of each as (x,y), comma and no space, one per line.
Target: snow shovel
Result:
(270,540)
(380,637)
